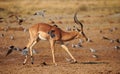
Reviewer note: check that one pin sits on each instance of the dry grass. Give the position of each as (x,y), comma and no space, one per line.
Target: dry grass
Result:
(58,6)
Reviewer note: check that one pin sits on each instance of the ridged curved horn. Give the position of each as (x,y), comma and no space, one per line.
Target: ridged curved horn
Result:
(77,21)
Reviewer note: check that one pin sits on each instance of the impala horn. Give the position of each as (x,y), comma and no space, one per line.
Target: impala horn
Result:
(79,23)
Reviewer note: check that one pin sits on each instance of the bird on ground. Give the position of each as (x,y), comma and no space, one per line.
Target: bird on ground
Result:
(92,50)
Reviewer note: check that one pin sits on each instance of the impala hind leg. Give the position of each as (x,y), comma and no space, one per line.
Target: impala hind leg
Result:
(25,60)
(66,49)
(31,51)
(30,45)
(26,56)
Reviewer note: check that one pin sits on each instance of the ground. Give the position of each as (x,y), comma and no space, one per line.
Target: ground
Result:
(96,27)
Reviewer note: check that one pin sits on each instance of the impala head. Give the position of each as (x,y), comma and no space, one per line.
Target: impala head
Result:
(80,34)
(80,31)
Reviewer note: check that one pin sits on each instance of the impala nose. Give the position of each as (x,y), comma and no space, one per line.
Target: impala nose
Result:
(84,36)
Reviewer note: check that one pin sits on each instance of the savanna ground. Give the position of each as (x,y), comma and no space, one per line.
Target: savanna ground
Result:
(100,18)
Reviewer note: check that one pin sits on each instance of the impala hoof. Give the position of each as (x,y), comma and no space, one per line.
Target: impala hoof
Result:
(32,63)
(73,62)
(55,64)
(23,63)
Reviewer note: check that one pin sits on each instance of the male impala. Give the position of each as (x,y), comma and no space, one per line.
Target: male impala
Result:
(43,31)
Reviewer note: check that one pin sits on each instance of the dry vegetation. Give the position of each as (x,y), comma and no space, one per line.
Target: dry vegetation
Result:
(27,7)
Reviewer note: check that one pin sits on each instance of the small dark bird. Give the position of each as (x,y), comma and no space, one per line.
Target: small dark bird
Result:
(117,47)
(89,40)
(42,13)
(117,40)
(20,20)
(10,50)
(25,51)
(44,63)
(1,19)
(78,45)
(106,38)
(92,50)
(94,56)
(52,22)
(68,28)
(73,46)
(2,35)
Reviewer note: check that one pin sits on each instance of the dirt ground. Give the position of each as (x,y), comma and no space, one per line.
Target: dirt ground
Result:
(102,29)
(106,62)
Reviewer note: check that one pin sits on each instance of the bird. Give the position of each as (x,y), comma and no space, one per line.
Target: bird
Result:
(73,46)
(106,38)
(20,20)
(115,28)
(25,51)
(12,37)
(68,28)
(94,56)
(1,19)
(117,40)
(111,40)
(2,35)
(110,30)
(92,50)
(78,45)
(81,41)
(89,40)
(42,13)
(43,63)
(25,30)
(11,48)
(117,47)
(100,31)
(68,60)
(51,21)
(6,28)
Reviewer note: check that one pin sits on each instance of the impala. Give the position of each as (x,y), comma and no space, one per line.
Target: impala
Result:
(43,31)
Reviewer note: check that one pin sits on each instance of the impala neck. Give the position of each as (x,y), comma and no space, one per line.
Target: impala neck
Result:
(66,36)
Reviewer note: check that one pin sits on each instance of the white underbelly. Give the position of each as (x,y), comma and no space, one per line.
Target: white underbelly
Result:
(42,35)
(42,38)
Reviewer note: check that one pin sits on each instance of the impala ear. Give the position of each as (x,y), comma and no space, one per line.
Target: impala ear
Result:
(51,33)
(76,29)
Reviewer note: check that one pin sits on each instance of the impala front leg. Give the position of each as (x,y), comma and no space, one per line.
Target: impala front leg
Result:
(52,44)
(66,49)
